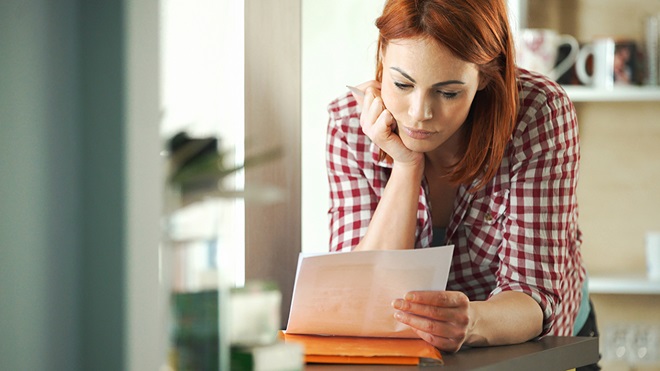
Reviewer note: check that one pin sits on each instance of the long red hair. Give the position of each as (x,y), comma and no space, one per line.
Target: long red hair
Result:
(476,31)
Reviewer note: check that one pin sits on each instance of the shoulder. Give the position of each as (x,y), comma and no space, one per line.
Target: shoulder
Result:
(545,110)
(344,133)
(344,120)
(344,107)
(540,96)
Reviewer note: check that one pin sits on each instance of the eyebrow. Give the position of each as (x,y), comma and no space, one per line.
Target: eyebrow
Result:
(442,83)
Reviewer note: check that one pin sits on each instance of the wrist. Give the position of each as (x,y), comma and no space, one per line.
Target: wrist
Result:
(413,169)
(473,337)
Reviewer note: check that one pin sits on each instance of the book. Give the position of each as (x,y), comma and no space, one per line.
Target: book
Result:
(365,350)
(341,307)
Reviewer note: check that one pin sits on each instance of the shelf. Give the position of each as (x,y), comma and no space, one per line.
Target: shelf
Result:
(629,284)
(617,94)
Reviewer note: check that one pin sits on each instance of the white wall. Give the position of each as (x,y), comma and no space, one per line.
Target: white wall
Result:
(338,49)
(202,92)
(146,335)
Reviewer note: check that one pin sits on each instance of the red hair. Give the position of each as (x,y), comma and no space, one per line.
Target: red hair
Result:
(476,31)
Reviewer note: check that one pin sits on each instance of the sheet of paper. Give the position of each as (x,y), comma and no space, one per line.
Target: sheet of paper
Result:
(350,293)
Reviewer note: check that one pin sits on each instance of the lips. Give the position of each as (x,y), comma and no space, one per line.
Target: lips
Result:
(417,134)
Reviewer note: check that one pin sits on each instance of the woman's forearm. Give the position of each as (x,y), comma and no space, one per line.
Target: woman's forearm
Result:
(507,318)
(393,224)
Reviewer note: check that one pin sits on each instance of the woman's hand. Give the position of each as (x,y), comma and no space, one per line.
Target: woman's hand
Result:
(441,318)
(448,319)
(380,126)
(393,224)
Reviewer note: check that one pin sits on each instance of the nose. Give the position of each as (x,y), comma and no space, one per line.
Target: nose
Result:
(420,108)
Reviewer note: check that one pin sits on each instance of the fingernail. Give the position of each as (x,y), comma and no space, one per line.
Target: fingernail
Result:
(398,315)
(355,90)
(397,303)
(409,296)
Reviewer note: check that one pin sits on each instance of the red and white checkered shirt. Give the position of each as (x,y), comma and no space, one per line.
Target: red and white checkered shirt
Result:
(519,233)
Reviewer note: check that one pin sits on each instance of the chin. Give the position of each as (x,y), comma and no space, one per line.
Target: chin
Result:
(422,146)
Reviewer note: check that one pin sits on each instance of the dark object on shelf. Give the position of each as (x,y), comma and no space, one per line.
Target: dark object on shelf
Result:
(195,331)
(569,77)
(627,69)
(198,165)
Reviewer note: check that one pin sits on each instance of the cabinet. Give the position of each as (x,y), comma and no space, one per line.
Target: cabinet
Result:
(618,283)
(581,94)
(621,283)
(624,284)
(620,145)
(619,185)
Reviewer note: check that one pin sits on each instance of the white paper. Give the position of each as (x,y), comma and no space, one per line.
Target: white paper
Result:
(350,293)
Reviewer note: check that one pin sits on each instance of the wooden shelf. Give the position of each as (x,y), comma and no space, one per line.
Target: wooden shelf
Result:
(617,94)
(627,284)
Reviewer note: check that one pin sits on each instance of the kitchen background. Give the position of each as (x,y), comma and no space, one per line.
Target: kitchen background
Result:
(619,188)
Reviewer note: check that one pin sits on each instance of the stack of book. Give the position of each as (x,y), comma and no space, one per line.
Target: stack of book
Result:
(365,350)
(341,307)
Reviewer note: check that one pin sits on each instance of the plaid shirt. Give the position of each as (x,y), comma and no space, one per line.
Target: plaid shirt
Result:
(519,233)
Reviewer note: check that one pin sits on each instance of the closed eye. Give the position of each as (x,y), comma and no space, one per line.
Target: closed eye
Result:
(448,95)
(402,86)
(445,94)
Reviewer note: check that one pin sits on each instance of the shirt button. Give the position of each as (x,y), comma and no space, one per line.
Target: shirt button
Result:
(488,218)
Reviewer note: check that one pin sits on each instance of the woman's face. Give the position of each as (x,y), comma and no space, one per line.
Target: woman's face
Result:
(429,92)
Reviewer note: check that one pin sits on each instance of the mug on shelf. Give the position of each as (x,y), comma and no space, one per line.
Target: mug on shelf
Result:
(653,255)
(537,50)
(613,63)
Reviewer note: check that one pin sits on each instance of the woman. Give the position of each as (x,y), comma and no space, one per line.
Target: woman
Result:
(451,144)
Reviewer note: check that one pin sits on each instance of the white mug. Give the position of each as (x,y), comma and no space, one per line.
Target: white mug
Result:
(653,255)
(614,63)
(536,50)
(602,51)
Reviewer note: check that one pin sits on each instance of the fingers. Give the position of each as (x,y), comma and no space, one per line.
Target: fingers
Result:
(456,315)
(442,306)
(378,123)
(372,106)
(359,92)
(373,83)
(439,317)
(431,325)
(447,336)
(451,345)
(443,335)
(446,299)
(376,120)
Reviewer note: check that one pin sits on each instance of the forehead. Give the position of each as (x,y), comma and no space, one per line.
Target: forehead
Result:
(425,57)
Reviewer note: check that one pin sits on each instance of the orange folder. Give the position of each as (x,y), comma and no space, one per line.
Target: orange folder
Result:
(365,350)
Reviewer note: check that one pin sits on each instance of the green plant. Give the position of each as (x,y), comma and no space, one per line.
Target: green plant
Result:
(198,167)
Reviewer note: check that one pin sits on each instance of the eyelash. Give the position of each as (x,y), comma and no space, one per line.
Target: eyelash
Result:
(445,95)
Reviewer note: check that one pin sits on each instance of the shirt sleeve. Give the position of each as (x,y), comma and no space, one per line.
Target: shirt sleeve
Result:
(352,197)
(542,230)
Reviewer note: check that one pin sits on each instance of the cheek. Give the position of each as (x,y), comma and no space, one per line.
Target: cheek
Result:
(394,104)
(461,111)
